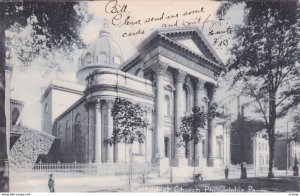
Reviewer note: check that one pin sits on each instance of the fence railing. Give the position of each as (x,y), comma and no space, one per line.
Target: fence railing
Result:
(101,169)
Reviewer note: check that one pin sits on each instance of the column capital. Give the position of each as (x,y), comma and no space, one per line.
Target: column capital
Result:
(180,76)
(98,104)
(159,68)
(110,103)
(200,84)
(211,90)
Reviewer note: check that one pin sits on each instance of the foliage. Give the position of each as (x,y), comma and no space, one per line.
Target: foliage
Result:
(264,61)
(190,124)
(52,25)
(197,119)
(296,129)
(129,122)
(55,26)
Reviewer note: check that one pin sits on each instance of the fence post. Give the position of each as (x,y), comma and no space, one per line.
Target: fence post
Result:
(58,166)
(40,166)
(75,165)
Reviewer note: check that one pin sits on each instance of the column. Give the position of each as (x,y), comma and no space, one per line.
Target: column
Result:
(159,110)
(98,137)
(212,158)
(109,148)
(200,94)
(91,132)
(179,112)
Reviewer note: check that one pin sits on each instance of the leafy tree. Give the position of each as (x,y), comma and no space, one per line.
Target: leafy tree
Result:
(55,26)
(243,129)
(189,130)
(191,123)
(264,61)
(296,129)
(129,123)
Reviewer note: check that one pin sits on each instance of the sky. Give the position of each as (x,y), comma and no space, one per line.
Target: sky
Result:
(27,85)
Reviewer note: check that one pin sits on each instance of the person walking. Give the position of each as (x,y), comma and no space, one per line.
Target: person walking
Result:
(226,172)
(51,183)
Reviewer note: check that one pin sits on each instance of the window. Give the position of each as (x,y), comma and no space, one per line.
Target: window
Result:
(117,60)
(46,107)
(103,57)
(166,147)
(219,149)
(88,58)
(139,73)
(186,99)
(15,116)
(59,132)
(66,134)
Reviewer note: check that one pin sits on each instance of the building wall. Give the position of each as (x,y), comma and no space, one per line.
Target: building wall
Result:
(47,113)
(260,153)
(72,129)
(54,103)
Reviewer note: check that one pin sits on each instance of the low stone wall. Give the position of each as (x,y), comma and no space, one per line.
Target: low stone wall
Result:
(28,147)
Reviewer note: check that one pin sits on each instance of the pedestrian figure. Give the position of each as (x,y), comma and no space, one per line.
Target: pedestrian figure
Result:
(243,171)
(51,183)
(296,168)
(226,172)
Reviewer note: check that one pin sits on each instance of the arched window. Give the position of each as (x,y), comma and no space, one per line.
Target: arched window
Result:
(15,116)
(88,58)
(117,60)
(186,99)
(59,132)
(46,107)
(103,57)
(78,140)
(66,134)
(168,106)
(139,73)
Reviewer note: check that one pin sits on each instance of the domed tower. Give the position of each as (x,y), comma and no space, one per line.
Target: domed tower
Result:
(104,52)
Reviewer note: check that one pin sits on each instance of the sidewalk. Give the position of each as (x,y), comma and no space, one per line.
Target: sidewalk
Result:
(79,182)
(68,182)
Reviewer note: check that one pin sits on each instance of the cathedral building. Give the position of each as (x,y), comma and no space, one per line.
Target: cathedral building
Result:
(174,70)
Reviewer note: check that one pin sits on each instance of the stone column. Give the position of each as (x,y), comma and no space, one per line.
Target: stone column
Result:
(109,148)
(159,69)
(91,132)
(179,111)
(98,138)
(200,94)
(212,158)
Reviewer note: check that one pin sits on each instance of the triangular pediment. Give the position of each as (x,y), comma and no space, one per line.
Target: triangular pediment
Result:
(191,38)
(190,44)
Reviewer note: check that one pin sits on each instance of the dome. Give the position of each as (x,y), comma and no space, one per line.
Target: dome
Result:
(104,52)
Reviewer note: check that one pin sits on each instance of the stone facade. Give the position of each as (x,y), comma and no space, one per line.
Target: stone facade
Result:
(166,78)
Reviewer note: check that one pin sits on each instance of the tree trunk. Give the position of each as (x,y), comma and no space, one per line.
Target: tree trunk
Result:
(4,175)
(271,133)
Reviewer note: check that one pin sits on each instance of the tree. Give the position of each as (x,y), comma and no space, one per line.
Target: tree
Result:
(296,129)
(55,26)
(264,61)
(189,129)
(190,125)
(129,123)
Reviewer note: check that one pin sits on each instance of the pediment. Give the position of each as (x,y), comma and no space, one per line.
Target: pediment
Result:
(191,38)
(190,44)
